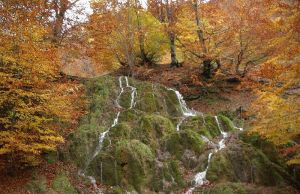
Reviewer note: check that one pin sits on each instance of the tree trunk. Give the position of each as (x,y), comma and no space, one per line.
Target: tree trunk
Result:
(199,30)
(170,16)
(60,10)
(207,68)
(141,39)
(174,62)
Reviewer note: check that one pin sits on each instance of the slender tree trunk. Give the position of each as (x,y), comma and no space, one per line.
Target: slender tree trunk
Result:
(199,29)
(174,62)
(60,9)
(141,37)
(172,36)
(207,62)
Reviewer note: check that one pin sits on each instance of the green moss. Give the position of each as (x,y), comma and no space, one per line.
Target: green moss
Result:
(210,129)
(174,167)
(121,131)
(61,184)
(178,142)
(147,100)
(129,116)
(84,142)
(241,162)
(151,129)
(37,185)
(134,160)
(265,146)
(125,99)
(220,169)
(104,168)
(226,123)
(193,123)
(172,103)
(224,188)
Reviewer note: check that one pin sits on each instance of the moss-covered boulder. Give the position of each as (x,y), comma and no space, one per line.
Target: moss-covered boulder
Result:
(243,188)
(154,98)
(240,162)
(134,164)
(84,143)
(177,142)
(151,129)
(226,123)
(62,184)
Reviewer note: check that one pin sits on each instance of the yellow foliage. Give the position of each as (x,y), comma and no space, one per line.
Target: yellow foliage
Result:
(32,96)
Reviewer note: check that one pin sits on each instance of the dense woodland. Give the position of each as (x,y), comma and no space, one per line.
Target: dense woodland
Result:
(47,54)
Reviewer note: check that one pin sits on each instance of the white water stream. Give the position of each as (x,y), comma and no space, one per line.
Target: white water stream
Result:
(104,134)
(200,178)
(186,112)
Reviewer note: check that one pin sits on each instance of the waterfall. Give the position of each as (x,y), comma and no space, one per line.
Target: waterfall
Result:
(186,112)
(200,178)
(121,92)
(133,93)
(92,180)
(221,143)
(104,134)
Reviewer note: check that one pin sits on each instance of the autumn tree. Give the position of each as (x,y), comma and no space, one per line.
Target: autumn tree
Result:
(32,95)
(129,35)
(61,22)
(166,13)
(277,106)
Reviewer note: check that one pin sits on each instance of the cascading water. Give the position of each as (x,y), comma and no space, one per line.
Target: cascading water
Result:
(104,134)
(224,135)
(133,93)
(122,90)
(184,109)
(200,178)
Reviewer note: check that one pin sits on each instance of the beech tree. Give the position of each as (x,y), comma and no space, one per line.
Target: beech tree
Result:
(31,95)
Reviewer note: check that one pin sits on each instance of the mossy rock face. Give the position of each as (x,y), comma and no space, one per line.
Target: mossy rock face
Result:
(156,99)
(206,126)
(177,142)
(147,99)
(240,162)
(168,177)
(211,126)
(130,116)
(144,153)
(125,99)
(84,142)
(224,188)
(193,123)
(134,163)
(242,188)
(61,184)
(104,168)
(226,123)
(267,147)
(151,129)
